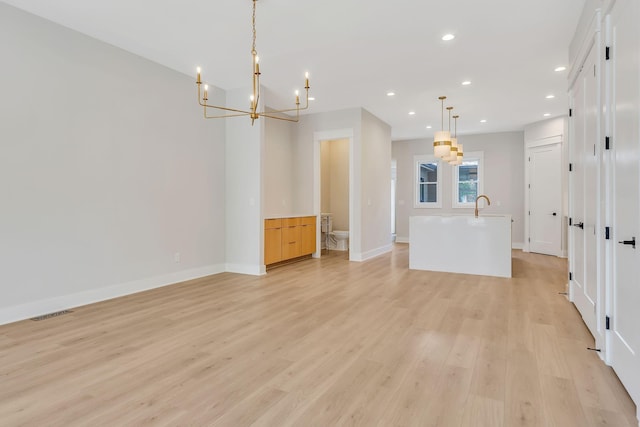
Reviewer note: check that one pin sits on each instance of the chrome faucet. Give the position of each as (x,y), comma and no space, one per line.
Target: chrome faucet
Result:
(478,198)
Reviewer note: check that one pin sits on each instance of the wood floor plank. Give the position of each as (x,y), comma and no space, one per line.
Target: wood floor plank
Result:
(321,342)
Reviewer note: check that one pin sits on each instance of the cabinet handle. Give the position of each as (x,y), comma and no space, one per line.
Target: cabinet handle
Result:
(579,225)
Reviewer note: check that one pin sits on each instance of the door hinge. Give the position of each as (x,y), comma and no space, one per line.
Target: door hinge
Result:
(570,112)
(570,167)
(594,149)
(570,221)
(607,53)
(529,212)
(529,185)
(607,323)
(606,233)
(529,239)
(606,143)
(570,276)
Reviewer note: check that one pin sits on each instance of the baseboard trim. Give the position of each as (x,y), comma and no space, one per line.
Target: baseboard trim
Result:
(402,240)
(252,270)
(517,245)
(36,308)
(364,256)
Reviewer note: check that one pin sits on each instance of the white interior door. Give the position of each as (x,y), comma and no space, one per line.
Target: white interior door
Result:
(583,194)
(545,199)
(625,308)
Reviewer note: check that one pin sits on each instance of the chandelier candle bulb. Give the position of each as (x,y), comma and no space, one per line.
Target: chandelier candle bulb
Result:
(198,81)
(206,95)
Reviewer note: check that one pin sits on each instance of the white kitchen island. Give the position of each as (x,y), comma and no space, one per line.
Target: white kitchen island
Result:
(461,244)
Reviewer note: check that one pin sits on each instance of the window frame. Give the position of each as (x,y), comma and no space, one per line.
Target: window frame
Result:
(417,161)
(455,175)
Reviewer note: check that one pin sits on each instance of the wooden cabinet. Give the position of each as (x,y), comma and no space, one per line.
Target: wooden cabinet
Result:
(272,241)
(307,235)
(289,238)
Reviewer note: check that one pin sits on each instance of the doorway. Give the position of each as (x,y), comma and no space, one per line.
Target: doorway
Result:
(334,194)
(354,232)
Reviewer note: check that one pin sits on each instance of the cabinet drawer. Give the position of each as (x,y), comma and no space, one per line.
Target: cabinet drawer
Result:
(272,223)
(290,222)
(307,220)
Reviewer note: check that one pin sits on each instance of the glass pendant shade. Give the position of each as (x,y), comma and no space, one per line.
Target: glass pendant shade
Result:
(459,156)
(442,144)
(453,156)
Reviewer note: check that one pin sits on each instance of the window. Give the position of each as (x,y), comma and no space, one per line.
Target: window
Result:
(467,180)
(428,178)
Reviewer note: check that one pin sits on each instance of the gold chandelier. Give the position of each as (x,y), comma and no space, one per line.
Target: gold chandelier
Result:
(253,112)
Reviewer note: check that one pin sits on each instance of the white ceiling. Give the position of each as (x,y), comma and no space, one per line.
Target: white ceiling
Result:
(356,51)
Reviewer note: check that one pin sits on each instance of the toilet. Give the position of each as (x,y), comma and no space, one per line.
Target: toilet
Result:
(342,240)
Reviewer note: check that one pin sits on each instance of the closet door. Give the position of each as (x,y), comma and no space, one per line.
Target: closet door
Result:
(625,305)
(545,199)
(584,193)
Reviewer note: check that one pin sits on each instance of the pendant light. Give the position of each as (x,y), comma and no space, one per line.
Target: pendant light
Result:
(442,139)
(458,161)
(453,157)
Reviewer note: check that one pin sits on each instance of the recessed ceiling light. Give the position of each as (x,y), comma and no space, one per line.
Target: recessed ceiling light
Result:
(483,121)
(558,69)
(550,96)
(466,83)
(391,93)
(448,37)
(429,127)
(412,113)
(546,114)
(311,98)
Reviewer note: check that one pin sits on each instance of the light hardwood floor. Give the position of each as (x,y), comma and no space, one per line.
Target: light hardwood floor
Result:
(319,343)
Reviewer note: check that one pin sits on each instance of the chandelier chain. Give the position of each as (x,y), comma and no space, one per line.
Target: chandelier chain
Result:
(253,24)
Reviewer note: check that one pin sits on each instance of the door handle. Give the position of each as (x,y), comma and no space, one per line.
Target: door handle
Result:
(631,242)
(579,225)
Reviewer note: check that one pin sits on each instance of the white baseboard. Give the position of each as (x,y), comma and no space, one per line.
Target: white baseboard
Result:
(363,256)
(517,245)
(250,269)
(400,239)
(65,302)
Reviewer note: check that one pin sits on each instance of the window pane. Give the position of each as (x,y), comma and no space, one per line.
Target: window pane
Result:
(468,181)
(429,192)
(428,172)
(468,171)
(467,191)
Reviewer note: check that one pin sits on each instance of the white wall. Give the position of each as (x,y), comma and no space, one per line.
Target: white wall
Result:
(244,189)
(503,179)
(376,186)
(278,168)
(107,170)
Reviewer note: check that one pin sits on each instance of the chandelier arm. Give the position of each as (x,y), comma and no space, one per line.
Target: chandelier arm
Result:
(287,110)
(226,115)
(235,110)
